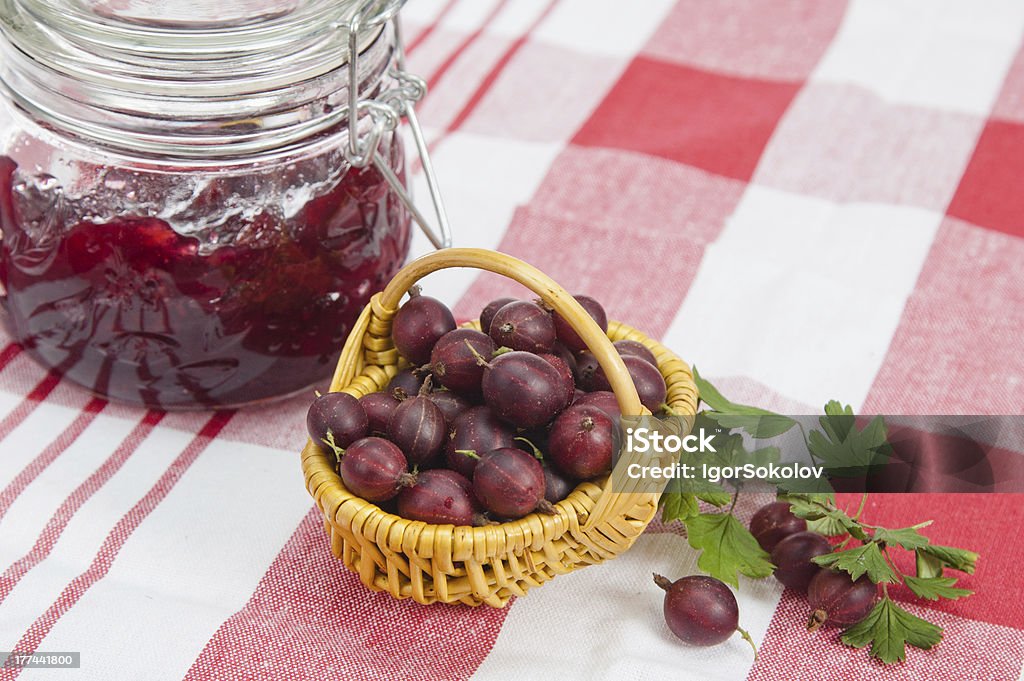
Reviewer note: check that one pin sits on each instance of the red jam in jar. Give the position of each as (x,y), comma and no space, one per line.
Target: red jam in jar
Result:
(134,309)
(210,255)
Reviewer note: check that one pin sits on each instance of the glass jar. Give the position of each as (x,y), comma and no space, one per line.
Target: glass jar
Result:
(185,222)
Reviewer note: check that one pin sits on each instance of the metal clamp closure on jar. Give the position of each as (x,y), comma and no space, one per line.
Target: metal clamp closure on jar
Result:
(386,112)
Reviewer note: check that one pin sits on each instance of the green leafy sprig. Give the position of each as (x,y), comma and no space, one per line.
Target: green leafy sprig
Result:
(728,548)
(889,628)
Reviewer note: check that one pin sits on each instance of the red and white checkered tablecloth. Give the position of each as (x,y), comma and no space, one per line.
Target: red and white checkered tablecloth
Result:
(807,199)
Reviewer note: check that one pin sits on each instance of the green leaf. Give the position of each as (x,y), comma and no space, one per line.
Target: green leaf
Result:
(828,500)
(846,451)
(718,499)
(727,547)
(757,425)
(934,588)
(677,505)
(889,628)
(828,526)
(710,396)
(866,559)
(927,566)
(907,537)
(838,420)
(950,556)
(835,520)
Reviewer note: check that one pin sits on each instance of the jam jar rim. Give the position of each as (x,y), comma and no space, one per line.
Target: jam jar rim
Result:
(267,123)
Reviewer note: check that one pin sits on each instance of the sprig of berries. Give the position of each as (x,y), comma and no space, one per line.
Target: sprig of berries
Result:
(864,552)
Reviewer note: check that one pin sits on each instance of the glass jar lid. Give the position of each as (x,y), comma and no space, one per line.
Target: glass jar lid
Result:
(188,78)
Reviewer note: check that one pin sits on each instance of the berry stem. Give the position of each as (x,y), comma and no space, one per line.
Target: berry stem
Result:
(408,479)
(818,617)
(479,358)
(663,582)
(537,454)
(428,384)
(860,509)
(546,507)
(329,441)
(746,637)
(415,291)
(471,453)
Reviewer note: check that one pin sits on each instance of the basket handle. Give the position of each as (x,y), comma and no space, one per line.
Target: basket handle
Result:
(550,292)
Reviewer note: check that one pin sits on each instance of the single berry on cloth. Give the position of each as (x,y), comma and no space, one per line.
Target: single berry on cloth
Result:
(701,610)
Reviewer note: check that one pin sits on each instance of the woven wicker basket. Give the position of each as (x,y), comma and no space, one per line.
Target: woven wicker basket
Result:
(483,565)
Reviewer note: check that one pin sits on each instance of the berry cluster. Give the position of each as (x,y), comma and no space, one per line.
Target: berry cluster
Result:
(457,437)
(833,596)
(703,611)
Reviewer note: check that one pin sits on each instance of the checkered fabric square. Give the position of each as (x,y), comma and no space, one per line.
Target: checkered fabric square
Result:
(808,199)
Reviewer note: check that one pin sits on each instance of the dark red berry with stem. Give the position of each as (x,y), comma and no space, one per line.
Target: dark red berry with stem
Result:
(417,426)
(650,384)
(582,442)
(701,610)
(375,469)
(792,558)
(774,522)
(450,404)
(510,483)
(336,420)
(604,400)
(586,368)
(523,389)
(523,325)
(487,315)
(418,325)
(406,383)
(439,499)
(378,407)
(836,598)
(454,364)
(567,335)
(477,430)
(635,348)
(568,382)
